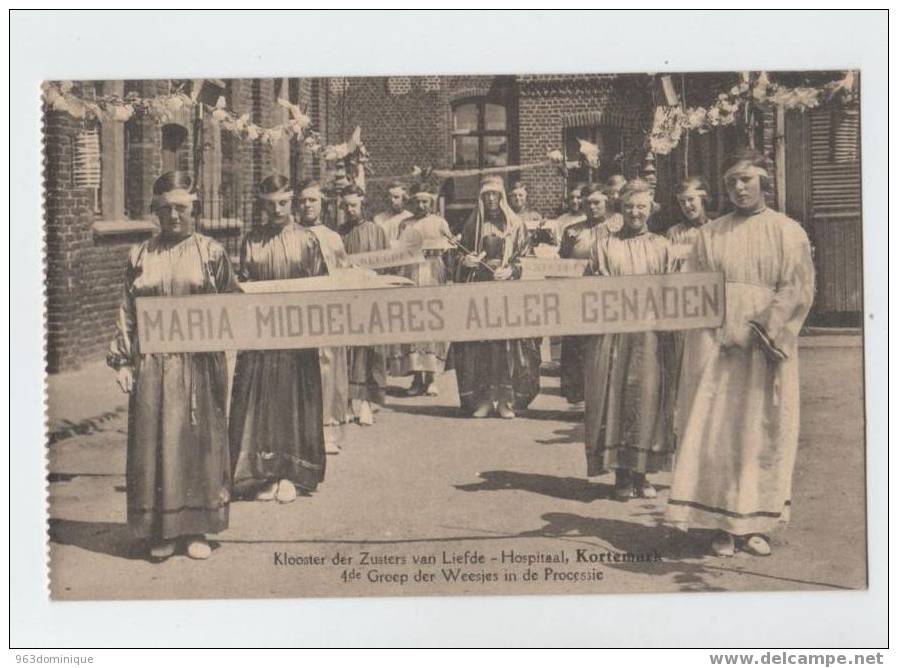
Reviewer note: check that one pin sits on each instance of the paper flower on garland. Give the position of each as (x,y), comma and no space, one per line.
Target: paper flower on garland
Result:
(220,113)
(299,122)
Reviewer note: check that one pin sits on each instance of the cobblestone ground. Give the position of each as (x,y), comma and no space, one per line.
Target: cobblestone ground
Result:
(424,486)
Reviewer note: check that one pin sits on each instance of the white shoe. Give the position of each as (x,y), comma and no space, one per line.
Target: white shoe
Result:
(366,417)
(757,545)
(198,548)
(286,491)
(268,492)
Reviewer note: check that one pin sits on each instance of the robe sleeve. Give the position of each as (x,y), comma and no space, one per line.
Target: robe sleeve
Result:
(122,349)
(567,243)
(598,258)
(312,256)
(223,272)
(520,239)
(782,320)
(243,273)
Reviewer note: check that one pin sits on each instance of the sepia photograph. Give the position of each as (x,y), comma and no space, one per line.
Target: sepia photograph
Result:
(413,335)
(465,328)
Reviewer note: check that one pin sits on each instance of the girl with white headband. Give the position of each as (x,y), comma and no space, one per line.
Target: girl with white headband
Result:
(178,473)
(424,359)
(692,199)
(276,429)
(738,404)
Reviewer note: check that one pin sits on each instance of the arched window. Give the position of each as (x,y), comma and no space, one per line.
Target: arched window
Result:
(479,139)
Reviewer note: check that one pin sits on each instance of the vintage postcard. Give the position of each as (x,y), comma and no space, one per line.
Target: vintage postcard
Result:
(454,335)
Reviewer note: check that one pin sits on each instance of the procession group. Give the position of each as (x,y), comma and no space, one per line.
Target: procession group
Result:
(719,407)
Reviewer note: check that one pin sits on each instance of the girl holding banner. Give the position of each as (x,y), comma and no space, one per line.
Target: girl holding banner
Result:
(577,242)
(495,375)
(367,364)
(629,380)
(429,231)
(178,478)
(276,425)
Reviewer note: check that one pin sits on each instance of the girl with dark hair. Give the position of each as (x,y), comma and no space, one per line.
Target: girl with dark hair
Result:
(367,364)
(178,479)
(629,389)
(577,243)
(738,403)
(276,425)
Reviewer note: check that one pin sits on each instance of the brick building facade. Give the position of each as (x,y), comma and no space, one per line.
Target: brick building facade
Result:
(445,122)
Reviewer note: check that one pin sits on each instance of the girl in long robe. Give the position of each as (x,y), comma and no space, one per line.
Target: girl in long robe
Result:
(498,375)
(178,478)
(276,425)
(738,406)
(331,359)
(367,364)
(577,243)
(428,358)
(629,393)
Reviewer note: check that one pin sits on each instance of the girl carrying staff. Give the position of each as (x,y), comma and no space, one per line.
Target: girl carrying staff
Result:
(178,479)
(276,426)
(495,375)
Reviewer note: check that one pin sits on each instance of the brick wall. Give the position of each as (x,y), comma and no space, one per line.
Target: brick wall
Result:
(85,270)
(68,218)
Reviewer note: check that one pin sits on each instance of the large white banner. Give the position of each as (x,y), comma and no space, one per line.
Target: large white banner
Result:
(464,312)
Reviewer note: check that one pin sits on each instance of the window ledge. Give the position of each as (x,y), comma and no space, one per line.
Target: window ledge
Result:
(232,225)
(108,228)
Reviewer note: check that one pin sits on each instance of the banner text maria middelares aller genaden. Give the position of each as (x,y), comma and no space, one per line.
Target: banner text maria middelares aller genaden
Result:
(469,312)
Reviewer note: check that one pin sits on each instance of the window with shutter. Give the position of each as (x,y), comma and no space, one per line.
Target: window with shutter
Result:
(835,163)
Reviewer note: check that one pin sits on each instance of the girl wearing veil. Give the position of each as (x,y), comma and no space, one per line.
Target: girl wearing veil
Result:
(495,375)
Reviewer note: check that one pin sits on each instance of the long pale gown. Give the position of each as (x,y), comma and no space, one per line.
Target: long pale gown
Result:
(577,243)
(426,355)
(367,364)
(276,404)
(738,412)
(333,359)
(628,377)
(177,472)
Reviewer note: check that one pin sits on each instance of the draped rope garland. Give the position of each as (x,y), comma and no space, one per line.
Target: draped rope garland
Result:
(352,153)
(754,89)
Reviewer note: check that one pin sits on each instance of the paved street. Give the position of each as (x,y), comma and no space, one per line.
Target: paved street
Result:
(424,482)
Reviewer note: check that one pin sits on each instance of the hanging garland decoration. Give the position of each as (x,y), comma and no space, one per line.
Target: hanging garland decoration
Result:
(753,89)
(351,157)
(167,108)
(588,157)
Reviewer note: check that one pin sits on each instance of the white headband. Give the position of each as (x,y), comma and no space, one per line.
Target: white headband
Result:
(276,197)
(746,168)
(177,196)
